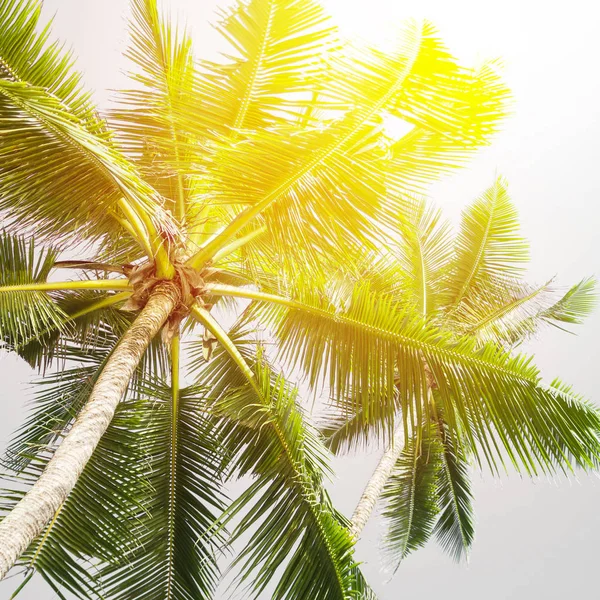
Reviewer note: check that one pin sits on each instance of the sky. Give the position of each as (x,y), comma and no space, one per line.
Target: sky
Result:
(537,539)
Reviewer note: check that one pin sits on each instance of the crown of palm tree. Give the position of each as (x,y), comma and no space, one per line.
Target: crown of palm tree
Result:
(469,290)
(244,178)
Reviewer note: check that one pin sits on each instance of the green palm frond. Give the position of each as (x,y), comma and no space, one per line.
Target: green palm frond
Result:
(59,166)
(57,400)
(86,320)
(455,527)
(575,305)
(77,178)
(163,504)
(507,316)
(411,496)
(281,49)
(424,253)
(573,421)
(488,250)
(24,315)
(157,124)
(346,428)
(346,165)
(175,554)
(517,310)
(29,55)
(297,537)
(80,350)
(375,346)
(94,523)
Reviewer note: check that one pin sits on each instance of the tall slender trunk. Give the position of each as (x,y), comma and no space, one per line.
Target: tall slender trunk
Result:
(375,486)
(29,517)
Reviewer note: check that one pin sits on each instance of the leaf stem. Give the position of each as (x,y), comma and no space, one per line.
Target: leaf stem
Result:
(54,286)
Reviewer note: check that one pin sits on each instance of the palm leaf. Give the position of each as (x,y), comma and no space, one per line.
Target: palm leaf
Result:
(92,525)
(157,122)
(175,553)
(410,496)
(424,253)
(58,165)
(24,315)
(455,527)
(346,165)
(575,305)
(296,532)
(147,504)
(515,310)
(346,428)
(58,399)
(281,49)
(488,248)
(374,346)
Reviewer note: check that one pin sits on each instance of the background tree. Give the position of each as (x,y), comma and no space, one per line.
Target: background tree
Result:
(207,176)
(470,286)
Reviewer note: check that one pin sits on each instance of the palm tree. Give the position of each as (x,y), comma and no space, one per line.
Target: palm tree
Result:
(470,287)
(243,179)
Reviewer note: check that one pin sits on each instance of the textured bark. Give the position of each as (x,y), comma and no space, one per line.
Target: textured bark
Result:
(375,486)
(29,517)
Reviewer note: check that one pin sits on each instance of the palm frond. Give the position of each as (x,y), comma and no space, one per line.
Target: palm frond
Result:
(148,505)
(516,310)
(79,351)
(154,124)
(92,526)
(281,49)
(59,166)
(346,165)
(24,315)
(296,533)
(175,553)
(29,55)
(424,85)
(455,527)
(57,401)
(488,248)
(345,428)
(374,346)
(424,253)
(410,496)
(508,315)
(575,305)
(573,420)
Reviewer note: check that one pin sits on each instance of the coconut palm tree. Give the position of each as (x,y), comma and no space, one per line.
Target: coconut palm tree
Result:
(468,286)
(246,178)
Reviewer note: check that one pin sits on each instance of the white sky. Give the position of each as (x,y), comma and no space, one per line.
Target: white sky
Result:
(534,540)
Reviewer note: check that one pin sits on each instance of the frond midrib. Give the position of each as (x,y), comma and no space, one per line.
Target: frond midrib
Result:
(173,447)
(312,506)
(45,536)
(245,104)
(504,310)
(411,506)
(402,339)
(164,63)
(480,252)
(300,479)
(133,203)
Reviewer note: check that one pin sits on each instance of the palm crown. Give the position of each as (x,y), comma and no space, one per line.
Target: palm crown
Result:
(469,286)
(253,178)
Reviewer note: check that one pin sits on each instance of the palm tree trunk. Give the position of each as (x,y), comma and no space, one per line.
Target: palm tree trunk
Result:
(374,487)
(29,517)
